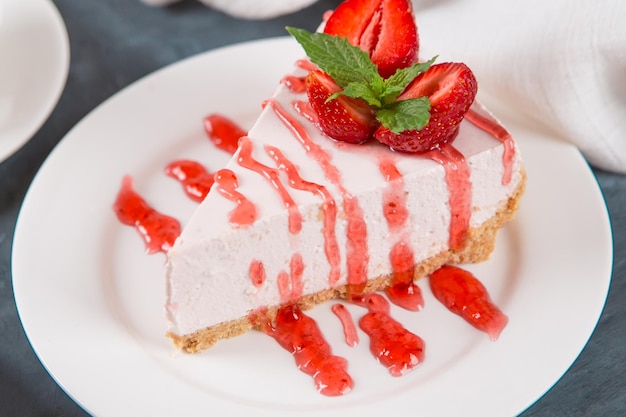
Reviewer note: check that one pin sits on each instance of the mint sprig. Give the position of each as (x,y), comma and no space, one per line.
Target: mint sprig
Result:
(353,70)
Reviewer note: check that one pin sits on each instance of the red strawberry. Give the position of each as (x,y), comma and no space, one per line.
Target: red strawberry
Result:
(466,296)
(451,89)
(344,118)
(385,29)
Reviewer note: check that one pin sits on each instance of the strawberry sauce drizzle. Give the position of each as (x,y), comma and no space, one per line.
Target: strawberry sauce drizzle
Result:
(306,64)
(223,132)
(329,207)
(246,160)
(157,230)
(460,188)
(349,328)
(394,198)
(299,335)
(257,273)
(290,284)
(357,249)
(294,83)
(194,178)
(466,296)
(304,109)
(498,131)
(403,291)
(244,213)
(392,345)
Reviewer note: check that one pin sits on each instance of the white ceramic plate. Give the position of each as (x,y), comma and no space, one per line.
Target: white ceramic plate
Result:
(35,53)
(91,300)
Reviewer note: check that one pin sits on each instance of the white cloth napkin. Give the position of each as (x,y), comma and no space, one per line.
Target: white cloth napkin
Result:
(248,9)
(559,62)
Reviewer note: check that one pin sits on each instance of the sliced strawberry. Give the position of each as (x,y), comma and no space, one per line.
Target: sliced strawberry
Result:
(345,119)
(223,132)
(451,89)
(466,296)
(385,29)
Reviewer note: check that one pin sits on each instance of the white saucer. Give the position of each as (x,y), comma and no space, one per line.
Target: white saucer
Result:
(35,62)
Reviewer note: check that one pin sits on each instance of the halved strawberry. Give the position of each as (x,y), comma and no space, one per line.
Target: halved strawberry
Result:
(343,118)
(385,29)
(451,89)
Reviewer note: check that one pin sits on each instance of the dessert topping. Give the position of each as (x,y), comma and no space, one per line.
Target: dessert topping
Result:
(349,329)
(385,29)
(290,283)
(355,76)
(329,208)
(457,174)
(495,129)
(194,178)
(346,119)
(466,296)
(257,273)
(391,344)
(402,291)
(158,231)
(244,213)
(413,109)
(299,334)
(223,132)
(451,89)
(357,252)
(246,160)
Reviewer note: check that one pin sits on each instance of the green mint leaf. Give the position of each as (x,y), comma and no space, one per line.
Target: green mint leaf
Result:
(352,69)
(395,85)
(404,115)
(360,90)
(334,55)
(403,76)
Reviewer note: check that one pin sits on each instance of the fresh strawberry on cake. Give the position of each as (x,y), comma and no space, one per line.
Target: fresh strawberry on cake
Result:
(379,172)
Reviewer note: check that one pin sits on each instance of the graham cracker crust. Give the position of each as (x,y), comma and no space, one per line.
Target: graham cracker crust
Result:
(478,247)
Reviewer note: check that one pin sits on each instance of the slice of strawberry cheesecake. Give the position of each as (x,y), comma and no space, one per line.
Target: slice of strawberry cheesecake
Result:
(365,171)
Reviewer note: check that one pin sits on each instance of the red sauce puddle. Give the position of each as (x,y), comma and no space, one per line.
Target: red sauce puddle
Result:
(463,294)
(157,230)
(392,345)
(300,335)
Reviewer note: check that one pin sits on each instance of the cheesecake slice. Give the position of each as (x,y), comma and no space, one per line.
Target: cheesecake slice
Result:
(296,217)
